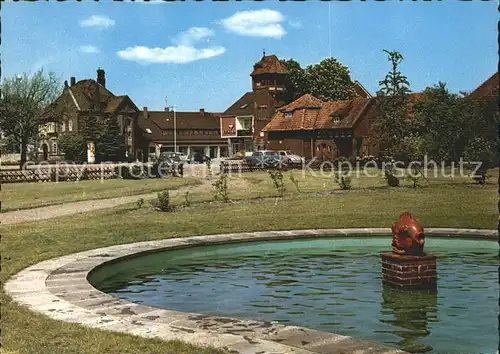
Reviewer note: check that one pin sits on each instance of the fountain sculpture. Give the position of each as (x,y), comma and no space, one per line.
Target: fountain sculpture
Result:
(407,267)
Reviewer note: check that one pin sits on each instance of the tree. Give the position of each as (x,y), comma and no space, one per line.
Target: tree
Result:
(22,100)
(441,111)
(296,82)
(74,147)
(103,130)
(329,80)
(394,125)
(109,145)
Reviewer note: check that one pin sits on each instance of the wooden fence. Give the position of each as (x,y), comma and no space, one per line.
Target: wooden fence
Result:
(61,173)
(237,166)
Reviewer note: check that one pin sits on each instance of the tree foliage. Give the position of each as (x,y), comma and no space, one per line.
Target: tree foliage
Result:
(440,111)
(327,80)
(22,100)
(103,130)
(395,126)
(73,146)
(296,81)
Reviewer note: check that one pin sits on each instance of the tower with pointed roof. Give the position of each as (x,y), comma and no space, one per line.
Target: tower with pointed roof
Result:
(269,73)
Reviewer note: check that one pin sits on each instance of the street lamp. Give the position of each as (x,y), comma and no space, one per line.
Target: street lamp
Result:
(175,128)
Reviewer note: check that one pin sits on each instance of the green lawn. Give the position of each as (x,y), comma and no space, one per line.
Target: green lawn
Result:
(442,204)
(16,196)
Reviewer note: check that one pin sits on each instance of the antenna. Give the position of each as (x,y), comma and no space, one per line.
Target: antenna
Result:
(166,101)
(264,52)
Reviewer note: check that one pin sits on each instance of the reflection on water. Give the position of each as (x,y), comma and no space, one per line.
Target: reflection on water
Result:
(411,312)
(329,285)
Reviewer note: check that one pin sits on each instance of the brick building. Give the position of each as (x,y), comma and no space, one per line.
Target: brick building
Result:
(194,132)
(84,100)
(310,127)
(242,123)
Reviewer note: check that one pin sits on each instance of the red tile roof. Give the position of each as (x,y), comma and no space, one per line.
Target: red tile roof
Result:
(306,101)
(310,113)
(159,121)
(269,64)
(487,88)
(82,96)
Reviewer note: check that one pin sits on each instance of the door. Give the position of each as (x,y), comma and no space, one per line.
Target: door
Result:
(45,149)
(307,146)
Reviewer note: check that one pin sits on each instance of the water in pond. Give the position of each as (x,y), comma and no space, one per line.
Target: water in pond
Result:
(331,285)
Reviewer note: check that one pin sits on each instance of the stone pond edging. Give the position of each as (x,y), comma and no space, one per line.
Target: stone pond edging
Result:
(59,289)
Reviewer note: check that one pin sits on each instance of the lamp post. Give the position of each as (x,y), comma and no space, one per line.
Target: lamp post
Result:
(175,127)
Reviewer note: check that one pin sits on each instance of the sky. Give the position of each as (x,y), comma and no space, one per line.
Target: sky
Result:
(200,54)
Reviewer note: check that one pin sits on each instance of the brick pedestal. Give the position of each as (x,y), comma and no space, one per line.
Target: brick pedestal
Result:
(409,272)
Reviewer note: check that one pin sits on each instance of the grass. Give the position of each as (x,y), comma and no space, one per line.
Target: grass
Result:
(17,196)
(442,204)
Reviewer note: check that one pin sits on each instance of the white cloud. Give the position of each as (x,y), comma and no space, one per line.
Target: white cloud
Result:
(90,49)
(258,23)
(180,54)
(193,34)
(295,23)
(97,21)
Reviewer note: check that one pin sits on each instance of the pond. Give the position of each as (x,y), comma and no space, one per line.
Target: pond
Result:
(328,284)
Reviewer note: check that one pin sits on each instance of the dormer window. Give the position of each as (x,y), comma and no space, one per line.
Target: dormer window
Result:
(244,106)
(288,115)
(336,119)
(148,131)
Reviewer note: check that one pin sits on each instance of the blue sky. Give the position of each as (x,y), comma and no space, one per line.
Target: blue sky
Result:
(200,54)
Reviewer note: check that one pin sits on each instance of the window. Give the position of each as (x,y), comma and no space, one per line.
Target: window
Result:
(288,115)
(336,119)
(54,148)
(244,106)
(63,126)
(70,125)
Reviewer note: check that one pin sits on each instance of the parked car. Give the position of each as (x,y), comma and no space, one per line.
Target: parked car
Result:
(168,163)
(294,158)
(267,159)
(198,157)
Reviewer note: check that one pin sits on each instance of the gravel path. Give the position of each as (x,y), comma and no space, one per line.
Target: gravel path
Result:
(18,216)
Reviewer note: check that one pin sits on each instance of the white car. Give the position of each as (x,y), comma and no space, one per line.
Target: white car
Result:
(293,157)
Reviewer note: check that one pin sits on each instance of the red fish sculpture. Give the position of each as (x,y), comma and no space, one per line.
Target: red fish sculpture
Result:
(407,235)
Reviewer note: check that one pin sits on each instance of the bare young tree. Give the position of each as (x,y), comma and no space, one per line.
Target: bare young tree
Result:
(23,98)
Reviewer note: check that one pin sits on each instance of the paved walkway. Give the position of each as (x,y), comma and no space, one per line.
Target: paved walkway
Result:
(18,216)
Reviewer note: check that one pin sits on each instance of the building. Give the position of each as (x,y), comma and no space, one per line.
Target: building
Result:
(311,128)
(242,123)
(81,101)
(192,132)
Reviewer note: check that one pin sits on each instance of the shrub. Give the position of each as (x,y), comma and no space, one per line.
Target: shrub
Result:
(392,181)
(414,177)
(162,202)
(294,181)
(221,188)
(279,184)
(187,199)
(343,180)
(140,203)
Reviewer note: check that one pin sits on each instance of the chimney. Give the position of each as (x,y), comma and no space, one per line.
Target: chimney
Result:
(145,112)
(167,109)
(73,80)
(202,111)
(101,77)
(65,83)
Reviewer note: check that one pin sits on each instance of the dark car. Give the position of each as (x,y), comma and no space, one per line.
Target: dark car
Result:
(267,159)
(168,163)
(198,157)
